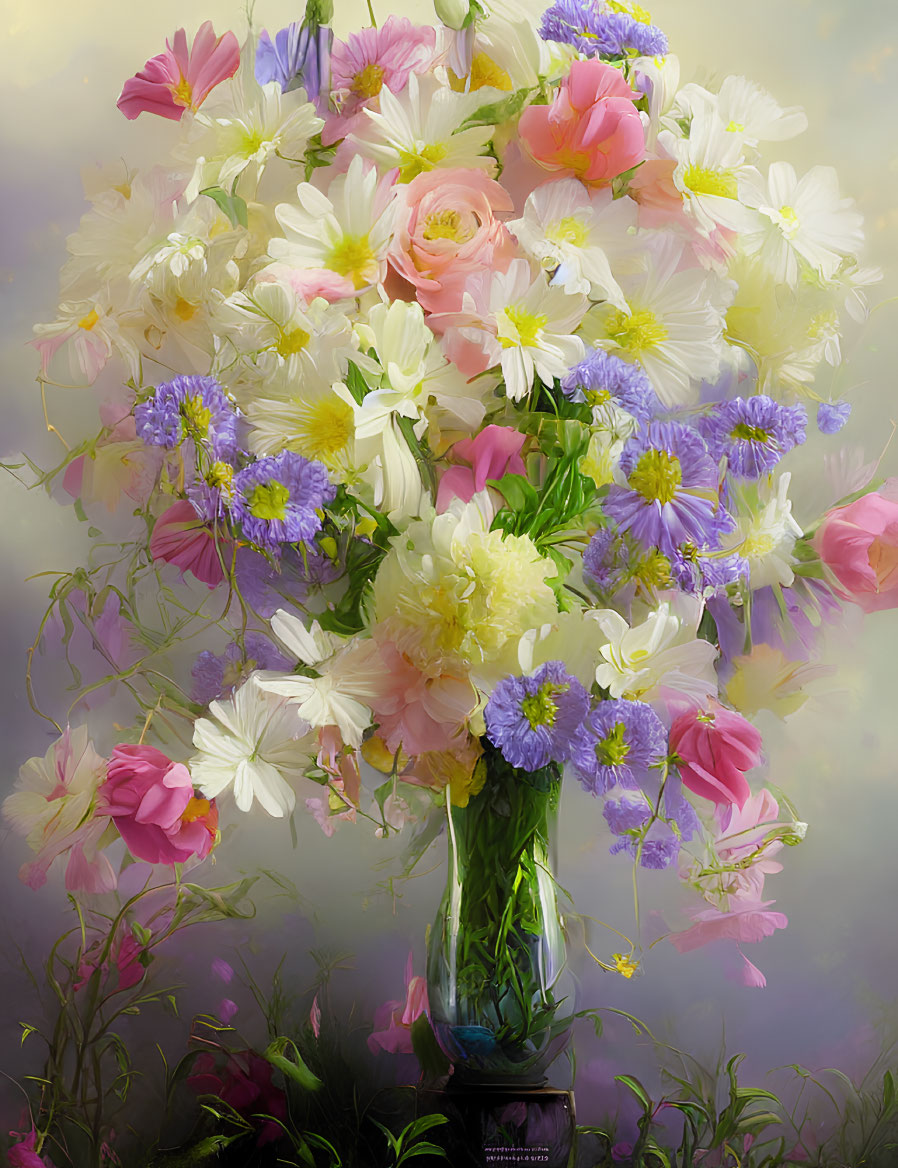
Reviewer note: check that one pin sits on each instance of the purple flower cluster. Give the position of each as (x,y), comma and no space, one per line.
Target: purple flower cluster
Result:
(601,375)
(616,745)
(532,720)
(753,433)
(216,676)
(277,499)
(298,57)
(658,847)
(189,407)
(832,416)
(594,31)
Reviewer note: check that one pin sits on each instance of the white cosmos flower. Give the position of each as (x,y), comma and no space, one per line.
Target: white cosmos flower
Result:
(661,653)
(347,231)
(800,223)
(765,531)
(414,371)
(752,113)
(419,130)
(349,673)
(310,417)
(246,136)
(673,325)
(253,743)
(574,231)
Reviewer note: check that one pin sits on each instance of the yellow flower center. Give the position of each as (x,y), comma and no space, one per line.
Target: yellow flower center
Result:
(182,93)
(735,127)
(568,230)
(196,414)
(789,221)
(540,709)
(368,82)
(352,257)
(328,426)
(292,341)
(597,397)
(656,476)
(635,331)
(702,181)
(746,433)
(526,327)
(251,141)
(653,571)
(448,225)
(484,71)
(612,750)
(196,809)
(757,544)
(184,310)
(269,500)
(823,324)
(88,322)
(221,475)
(415,162)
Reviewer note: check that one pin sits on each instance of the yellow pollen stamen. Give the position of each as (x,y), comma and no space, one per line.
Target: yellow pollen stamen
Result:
(184,310)
(195,809)
(412,163)
(597,397)
(484,71)
(368,82)
(196,414)
(527,326)
(182,93)
(637,331)
(88,322)
(702,181)
(352,257)
(269,500)
(328,426)
(656,476)
(448,225)
(735,128)
(292,341)
(568,230)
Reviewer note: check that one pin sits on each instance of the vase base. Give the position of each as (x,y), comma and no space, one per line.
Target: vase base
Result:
(506,1126)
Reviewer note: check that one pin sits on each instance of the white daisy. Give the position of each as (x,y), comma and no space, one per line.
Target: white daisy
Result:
(710,165)
(765,531)
(311,417)
(252,743)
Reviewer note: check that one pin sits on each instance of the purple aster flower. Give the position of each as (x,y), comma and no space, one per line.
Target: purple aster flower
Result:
(753,433)
(189,407)
(658,848)
(616,745)
(532,720)
(601,377)
(832,416)
(276,499)
(700,573)
(671,493)
(602,561)
(593,31)
(298,57)
(216,676)
(627,814)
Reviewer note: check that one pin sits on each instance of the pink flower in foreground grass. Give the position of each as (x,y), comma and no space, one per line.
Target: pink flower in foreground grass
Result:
(715,748)
(496,451)
(54,807)
(23,1154)
(859,544)
(244,1083)
(591,131)
(393,1021)
(183,538)
(125,956)
(154,807)
(180,78)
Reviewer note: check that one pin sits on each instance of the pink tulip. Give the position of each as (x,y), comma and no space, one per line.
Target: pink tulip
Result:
(715,748)
(182,538)
(493,453)
(591,131)
(859,544)
(152,802)
(395,1018)
(180,79)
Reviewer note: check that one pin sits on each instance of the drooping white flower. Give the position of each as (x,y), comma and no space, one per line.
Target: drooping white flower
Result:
(747,110)
(576,232)
(252,743)
(346,231)
(800,223)
(420,130)
(661,653)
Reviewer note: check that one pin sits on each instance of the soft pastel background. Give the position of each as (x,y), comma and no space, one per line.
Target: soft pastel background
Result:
(831,974)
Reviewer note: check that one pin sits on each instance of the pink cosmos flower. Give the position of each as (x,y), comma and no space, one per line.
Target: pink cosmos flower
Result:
(362,65)
(155,810)
(716,747)
(859,544)
(23,1154)
(180,79)
(447,231)
(393,1020)
(493,453)
(751,921)
(244,1083)
(183,538)
(591,131)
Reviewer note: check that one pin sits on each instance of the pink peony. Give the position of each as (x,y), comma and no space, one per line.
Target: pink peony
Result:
(393,1021)
(152,802)
(447,231)
(180,79)
(182,538)
(859,544)
(715,748)
(496,451)
(245,1083)
(591,131)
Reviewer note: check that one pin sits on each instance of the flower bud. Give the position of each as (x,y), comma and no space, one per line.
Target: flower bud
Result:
(319,11)
(453,13)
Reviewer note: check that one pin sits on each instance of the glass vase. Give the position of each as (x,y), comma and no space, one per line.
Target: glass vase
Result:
(501,996)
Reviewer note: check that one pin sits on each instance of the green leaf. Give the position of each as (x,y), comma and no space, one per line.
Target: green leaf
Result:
(355,382)
(496,112)
(231,205)
(424,1149)
(888,1091)
(637,1088)
(434,1063)
(294,1068)
(79,510)
(518,492)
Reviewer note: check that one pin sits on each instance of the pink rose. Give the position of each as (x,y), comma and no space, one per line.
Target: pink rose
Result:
(591,131)
(496,451)
(447,231)
(715,748)
(859,544)
(182,538)
(152,802)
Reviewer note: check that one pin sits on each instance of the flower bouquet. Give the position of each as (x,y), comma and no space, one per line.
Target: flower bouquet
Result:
(444,376)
